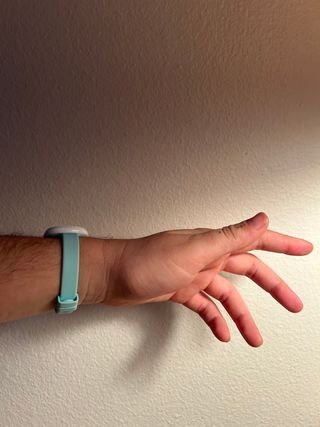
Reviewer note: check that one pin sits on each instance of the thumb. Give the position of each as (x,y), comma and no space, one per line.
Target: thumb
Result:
(232,238)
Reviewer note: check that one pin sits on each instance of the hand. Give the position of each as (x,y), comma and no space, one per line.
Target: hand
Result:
(183,266)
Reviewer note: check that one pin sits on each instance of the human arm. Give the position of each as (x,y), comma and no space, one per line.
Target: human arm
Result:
(30,274)
(181,266)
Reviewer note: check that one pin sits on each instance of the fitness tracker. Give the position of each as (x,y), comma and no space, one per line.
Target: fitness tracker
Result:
(67,300)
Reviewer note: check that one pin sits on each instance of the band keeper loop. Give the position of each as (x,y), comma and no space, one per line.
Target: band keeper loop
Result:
(66,306)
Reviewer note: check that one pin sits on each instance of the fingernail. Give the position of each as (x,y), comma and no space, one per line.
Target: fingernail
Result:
(257,221)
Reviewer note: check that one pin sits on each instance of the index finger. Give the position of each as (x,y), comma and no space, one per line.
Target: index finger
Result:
(273,241)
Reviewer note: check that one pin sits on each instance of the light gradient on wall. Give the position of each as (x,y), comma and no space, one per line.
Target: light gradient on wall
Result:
(132,117)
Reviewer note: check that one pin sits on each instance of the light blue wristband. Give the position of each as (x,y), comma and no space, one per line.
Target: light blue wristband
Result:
(67,301)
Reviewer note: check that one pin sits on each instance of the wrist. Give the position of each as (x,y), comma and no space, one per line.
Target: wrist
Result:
(98,259)
(92,270)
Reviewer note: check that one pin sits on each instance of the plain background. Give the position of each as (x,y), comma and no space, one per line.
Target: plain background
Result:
(133,117)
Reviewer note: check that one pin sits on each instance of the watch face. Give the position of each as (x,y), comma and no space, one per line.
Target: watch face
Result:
(54,231)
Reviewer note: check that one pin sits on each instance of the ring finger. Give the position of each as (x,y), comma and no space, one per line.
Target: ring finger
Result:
(223,290)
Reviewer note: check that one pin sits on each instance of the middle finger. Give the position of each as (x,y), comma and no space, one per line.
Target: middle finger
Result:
(251,266)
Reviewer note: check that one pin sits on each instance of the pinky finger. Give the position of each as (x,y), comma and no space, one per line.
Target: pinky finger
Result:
(203,305)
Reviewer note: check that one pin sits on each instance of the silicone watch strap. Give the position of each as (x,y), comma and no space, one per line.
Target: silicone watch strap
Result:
(67,301)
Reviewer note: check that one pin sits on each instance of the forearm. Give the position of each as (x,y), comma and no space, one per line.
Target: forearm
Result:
(30,274)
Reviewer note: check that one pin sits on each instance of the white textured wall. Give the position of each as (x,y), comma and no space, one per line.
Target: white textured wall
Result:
(132,117)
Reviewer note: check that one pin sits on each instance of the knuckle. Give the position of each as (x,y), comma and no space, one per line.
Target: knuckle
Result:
(225,294)
(203,308)
(230,232)
(253,268)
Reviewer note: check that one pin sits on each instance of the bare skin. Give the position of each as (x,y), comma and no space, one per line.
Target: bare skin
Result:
(183,266)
